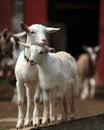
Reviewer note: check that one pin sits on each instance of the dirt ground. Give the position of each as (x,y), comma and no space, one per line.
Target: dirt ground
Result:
(9,110)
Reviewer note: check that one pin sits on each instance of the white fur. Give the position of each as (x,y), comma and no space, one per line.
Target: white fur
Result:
(16,52)
(19,35)
(27,76)
(57,71)
(37,33)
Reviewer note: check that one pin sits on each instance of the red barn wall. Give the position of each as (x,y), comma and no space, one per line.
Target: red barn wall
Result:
(35,11)
(101,42)
(6,11)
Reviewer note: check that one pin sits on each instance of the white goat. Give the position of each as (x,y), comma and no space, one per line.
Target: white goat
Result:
(37,33)
(57,71)
(27,76)
(87,63)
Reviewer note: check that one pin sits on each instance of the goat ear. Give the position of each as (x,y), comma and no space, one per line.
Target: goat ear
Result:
(24,27)
(19,35)
(86,48)
(24,44)
(5,33)
(52,50)
(48,49)
(97,48)
(52,30)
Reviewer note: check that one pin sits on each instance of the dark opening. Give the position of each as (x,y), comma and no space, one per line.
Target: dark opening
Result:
(81,18)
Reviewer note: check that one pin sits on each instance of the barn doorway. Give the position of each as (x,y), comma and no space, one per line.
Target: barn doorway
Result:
(81,20)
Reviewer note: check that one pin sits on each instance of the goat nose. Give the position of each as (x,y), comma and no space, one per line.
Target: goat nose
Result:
(31,61)
(44,40)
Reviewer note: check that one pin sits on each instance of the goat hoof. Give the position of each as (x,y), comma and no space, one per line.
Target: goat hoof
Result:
(45,121)
(19,124)
(72,117)
(19,127)
(35,125)
(26,126)
(59,118)
(36,122)
(27,123)
(52,119)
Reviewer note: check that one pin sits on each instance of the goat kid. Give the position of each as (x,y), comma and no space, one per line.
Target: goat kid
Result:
(37,33)
(87,64)
(57,71)
(27,76)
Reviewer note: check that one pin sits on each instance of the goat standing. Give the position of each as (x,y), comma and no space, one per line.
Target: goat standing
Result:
(10,49)
(57,71)
(27,76)
(87,64)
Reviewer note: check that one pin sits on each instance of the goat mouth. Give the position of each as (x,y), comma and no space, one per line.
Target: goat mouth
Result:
(32,63)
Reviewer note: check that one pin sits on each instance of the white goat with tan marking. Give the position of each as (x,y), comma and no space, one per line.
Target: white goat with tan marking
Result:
(87,63)
(57,71)
(27,76)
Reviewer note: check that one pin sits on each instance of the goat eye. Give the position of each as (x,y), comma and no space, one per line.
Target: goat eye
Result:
(33,32)
(41,52)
